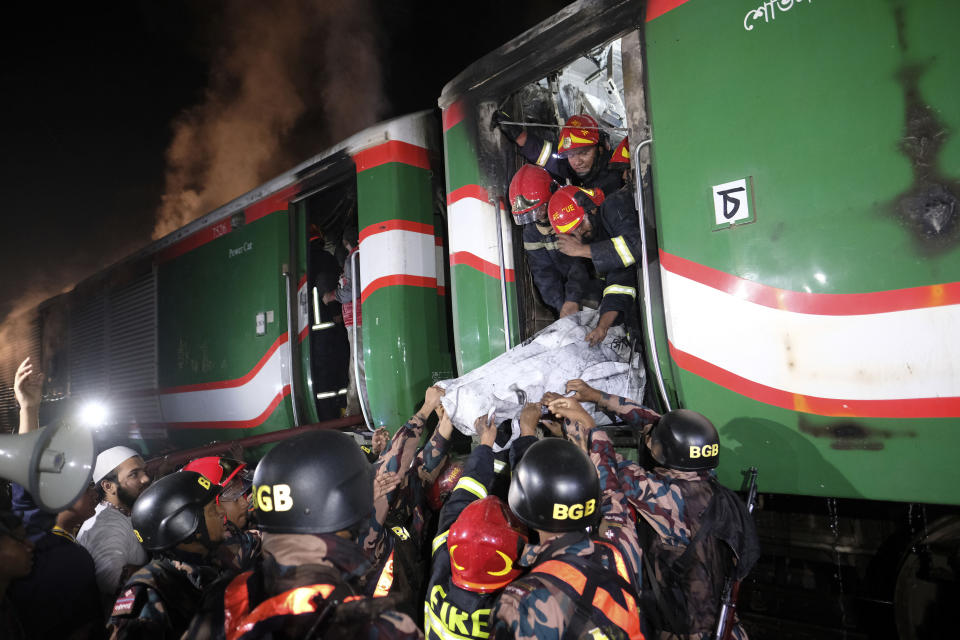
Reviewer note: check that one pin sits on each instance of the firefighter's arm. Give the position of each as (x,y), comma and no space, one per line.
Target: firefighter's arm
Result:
(577,278)
(598,333)
(540,152)
(623,248)
(477,478)
(546,277)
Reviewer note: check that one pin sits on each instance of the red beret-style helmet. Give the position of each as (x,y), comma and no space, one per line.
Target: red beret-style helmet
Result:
(484,543)
(566,210)
(530,191)
(578,131)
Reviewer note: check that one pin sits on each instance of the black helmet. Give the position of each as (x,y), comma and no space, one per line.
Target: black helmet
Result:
(318,482)
(685,440)
(170,510)
(555,487)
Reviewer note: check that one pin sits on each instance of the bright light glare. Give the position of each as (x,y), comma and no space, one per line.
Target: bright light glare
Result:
(93,414)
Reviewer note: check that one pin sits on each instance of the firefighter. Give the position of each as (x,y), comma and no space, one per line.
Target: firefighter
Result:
(583,154)
(480,541)
(242,545)
(313,496)
(177,519)
(695,532)
(603,228)
(561,280)
(578,585)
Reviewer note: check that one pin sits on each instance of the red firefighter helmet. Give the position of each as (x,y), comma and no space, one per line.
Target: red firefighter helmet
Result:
(443,486)
(578,131)
(484,542)
(566,211)
(221,471)
(621,154)
(530,191)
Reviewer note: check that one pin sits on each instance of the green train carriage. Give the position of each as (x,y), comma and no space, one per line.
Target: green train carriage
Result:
(799,284)
(211,332)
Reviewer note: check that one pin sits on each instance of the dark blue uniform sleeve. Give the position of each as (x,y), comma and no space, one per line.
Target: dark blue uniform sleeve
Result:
(619,219)
(540,152)
(546,275)
(473,485)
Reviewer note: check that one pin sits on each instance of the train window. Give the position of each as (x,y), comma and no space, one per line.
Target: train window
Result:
(591,85)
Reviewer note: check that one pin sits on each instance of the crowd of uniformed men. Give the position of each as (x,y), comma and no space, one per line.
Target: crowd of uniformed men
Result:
(543,536)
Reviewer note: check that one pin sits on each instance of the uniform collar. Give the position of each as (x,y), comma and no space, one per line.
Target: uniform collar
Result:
(577,543)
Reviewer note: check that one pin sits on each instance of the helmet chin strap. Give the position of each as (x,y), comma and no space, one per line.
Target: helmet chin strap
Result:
(203,536)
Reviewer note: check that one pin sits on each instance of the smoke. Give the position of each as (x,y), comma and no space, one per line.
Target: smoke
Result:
(286,75)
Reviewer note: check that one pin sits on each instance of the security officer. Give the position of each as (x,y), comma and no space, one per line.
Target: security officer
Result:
(583,153)
(473,558)
(178,520)
(241,546)
(313,494)
(602,227)
(695,531)
(561,280)
(578,586)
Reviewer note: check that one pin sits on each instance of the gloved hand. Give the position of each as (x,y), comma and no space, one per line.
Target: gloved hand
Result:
(511,131)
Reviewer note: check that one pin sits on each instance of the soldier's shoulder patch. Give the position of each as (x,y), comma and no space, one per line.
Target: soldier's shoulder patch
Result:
(519,590)
(126,601)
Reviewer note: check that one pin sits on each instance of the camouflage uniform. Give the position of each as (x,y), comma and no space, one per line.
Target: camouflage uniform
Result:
(539,606)
(240,550)
(672,504)
(160,599)
(448,609)
(395,541)
(303,586)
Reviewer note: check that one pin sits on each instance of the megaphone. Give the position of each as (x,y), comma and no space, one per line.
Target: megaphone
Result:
(53,463)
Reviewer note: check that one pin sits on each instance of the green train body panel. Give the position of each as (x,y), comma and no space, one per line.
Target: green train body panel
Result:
(406,348)
(208,302)
(206,334)
(477,295)
(842,119)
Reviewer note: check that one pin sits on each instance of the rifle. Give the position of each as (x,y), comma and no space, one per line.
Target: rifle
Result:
(731,587)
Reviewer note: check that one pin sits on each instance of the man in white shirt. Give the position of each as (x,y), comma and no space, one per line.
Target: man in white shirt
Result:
(120,476)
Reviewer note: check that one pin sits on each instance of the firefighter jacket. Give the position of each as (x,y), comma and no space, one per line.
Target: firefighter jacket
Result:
(579,586)
(303,586)
(559,278)
(449,611)
(160,599)
(695,533)
(604,175)
(614,248)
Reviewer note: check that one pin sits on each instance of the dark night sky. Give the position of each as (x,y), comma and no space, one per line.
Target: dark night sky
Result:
(90,92)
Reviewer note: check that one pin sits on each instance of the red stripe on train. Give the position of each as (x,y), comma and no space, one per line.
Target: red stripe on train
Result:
(453,115)
(237,424)
(400,278)
(396,225)
(892,408)
(468,191)
(825,304)
(229,384)
(478,263)
(392,151)
(656,8)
